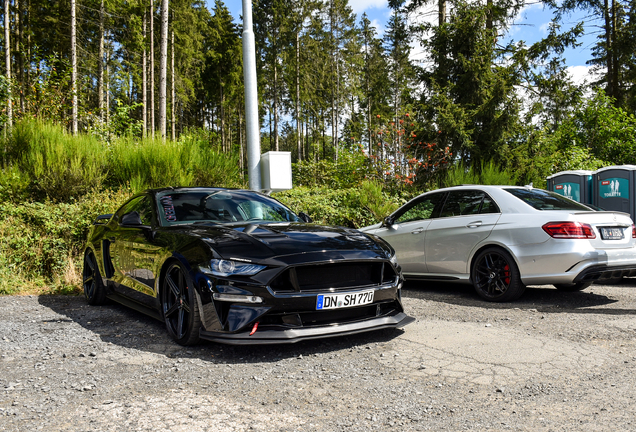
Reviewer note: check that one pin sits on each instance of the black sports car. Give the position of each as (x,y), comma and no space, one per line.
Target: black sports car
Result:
(238,267)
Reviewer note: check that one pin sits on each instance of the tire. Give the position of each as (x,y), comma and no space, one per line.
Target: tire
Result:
(179,306)
(495,276)
(580,286)
(94,289)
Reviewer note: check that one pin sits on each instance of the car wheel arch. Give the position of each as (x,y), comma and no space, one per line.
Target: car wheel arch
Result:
(483,247)
(164,269)
(186,269)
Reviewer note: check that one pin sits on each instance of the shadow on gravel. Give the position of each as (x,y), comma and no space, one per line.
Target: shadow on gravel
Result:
(544,299)
(127,328)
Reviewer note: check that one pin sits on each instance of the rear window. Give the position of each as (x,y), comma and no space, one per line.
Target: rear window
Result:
(544,200)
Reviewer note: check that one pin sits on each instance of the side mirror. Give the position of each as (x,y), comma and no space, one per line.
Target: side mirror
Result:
(131,219)
(305,217)
(102,219)
(388,221)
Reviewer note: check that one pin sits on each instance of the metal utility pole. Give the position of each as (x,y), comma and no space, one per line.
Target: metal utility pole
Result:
(251,100)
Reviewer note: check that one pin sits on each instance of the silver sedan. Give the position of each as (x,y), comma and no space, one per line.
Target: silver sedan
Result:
(502,238)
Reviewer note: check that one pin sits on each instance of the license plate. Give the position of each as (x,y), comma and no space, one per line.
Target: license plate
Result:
(612,233)
(343,300)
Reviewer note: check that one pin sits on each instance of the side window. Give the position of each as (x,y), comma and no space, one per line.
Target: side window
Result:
(489,206)
(141,205)
(468,202)
(422,209)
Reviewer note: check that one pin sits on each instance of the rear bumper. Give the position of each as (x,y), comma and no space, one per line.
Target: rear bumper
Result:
(281,335)
(603,272)
(568,264)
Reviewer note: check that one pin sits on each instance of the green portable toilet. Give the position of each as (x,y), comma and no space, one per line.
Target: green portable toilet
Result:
(576,185)
(614,188)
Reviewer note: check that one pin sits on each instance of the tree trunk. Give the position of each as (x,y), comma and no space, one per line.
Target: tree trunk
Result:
(163,68)
(275,106)
(618,94)
(19,58)
(172,98)
(609,49)
(73,66)
(152,68)
(100,64)
(7,56)
(107,106)
(144,85)
(297,107)
(222,118)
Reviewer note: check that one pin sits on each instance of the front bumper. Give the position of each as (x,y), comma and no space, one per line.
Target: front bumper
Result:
(271,334)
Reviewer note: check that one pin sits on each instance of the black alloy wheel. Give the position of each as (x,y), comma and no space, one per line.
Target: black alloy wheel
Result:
(179,306)
(94,289)
(495,276)
(580,286)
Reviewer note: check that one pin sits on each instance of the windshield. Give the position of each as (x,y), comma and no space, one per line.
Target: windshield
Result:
(220,206)
(543,200)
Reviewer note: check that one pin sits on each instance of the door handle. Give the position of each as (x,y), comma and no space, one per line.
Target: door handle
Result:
(474,224)
(417,230)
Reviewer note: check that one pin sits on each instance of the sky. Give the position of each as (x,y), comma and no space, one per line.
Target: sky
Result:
(531,25)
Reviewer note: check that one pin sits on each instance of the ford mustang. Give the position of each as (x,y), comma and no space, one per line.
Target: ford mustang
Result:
(238,267)
(502,238)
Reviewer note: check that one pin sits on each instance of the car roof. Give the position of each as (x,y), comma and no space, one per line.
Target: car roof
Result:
(482,187)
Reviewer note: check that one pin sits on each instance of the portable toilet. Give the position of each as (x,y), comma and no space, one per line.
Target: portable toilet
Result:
(576,185)
(614,188)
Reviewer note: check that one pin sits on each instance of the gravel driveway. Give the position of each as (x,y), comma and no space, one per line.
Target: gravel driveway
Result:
(551,361)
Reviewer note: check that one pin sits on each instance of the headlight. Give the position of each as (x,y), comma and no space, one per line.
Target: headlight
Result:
(226,268)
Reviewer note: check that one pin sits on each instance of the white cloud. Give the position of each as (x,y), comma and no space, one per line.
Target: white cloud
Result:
(582,74)
(359,6)
(379,28)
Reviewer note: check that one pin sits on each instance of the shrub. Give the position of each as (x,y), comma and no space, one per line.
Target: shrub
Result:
(488,174)
(353,207)
(42,242)
(153,163)
(55,165)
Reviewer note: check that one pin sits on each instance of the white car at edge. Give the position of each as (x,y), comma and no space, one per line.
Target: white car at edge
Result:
(502,238)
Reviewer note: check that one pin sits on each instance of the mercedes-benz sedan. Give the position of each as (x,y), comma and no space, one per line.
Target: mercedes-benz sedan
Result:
(502,238)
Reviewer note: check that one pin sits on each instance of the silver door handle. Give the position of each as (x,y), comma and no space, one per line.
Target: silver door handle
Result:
(474,224)
(417,230)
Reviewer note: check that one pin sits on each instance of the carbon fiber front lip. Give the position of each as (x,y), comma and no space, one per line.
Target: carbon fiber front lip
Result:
(293,335)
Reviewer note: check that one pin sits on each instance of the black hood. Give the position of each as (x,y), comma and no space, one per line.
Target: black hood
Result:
(268,240)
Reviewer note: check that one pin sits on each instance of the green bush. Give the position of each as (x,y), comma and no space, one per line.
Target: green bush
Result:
(54,164)
(43,162)
(153,163)
(353,207)
(351,169)
(488,174)
(41,243)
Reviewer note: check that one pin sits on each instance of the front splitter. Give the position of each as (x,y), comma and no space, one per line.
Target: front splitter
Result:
(282,335)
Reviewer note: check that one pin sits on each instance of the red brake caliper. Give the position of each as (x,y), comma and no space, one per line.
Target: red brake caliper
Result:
(507,274)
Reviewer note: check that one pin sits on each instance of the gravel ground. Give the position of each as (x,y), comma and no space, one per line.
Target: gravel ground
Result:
(551,361)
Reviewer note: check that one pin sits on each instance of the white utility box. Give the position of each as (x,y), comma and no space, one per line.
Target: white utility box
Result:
(276,172)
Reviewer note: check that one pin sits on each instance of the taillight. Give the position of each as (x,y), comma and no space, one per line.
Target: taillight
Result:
(633,231)
(571,230)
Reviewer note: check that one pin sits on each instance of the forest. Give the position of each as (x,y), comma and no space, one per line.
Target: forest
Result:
(328,84)
(102,98)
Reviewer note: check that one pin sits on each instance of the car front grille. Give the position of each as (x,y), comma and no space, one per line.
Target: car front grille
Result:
(330,317)
(339,276)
